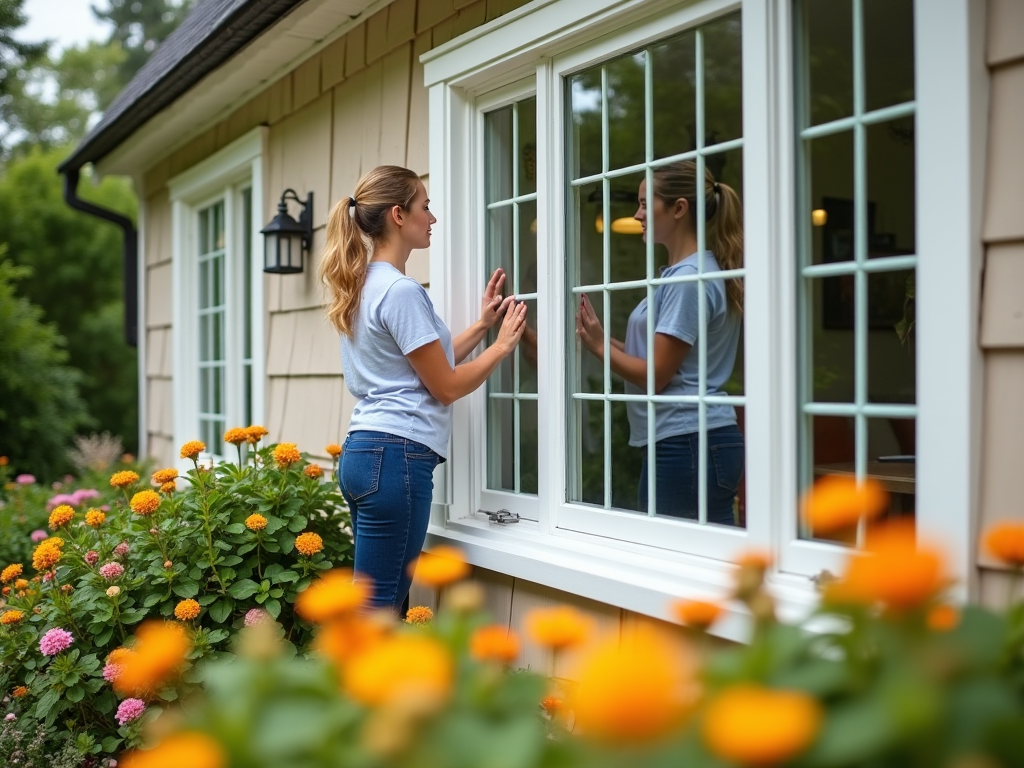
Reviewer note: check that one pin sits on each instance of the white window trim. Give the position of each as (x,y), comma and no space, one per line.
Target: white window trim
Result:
(219,176)
(641,578)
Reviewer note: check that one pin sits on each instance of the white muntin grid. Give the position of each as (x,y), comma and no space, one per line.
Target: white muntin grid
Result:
(701,400)
(861,267)
(212,313)
(504,385)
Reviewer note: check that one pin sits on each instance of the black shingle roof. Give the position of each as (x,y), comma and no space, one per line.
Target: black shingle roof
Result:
(213,32)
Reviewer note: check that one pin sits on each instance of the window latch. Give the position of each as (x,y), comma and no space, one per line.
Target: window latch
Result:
(503,517)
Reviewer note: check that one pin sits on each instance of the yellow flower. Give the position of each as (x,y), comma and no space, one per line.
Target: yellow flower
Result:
(186,610)
(61,516)
(255,522)
(312,471)
(440,566)
(124,478)
(11,572)
(286,454)
(418,614)
(47,554)
(333,450)
(309,543)
(331,596)
(168,488)
(1005,541)
(236,436)
(343,638)
(162,476)
(839,502)
(21,584)
(191,748)
(118,655)
(494,643)
(145,502)
(192,449)
(698,614)
(557,628)
(942,618)
(634,690)
(20,691)
(755,726)
(11,617)
(255,433)
(94,518)
(401,668)
(159,650)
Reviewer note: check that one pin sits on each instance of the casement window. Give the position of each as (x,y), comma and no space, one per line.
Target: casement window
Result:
(543,127)
(218,293)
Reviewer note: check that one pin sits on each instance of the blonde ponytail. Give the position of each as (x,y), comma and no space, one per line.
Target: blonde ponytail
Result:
(354,225)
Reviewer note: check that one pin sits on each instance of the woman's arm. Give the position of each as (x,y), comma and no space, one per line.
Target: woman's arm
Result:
(448,384)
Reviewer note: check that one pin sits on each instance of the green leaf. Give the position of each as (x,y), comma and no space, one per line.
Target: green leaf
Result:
(276,592)
(243,589)
(286,577)
(230,560)
(104,637)
(75,693)
(235,528)
(111,744)
(297,524)
(46,702)
(273,607)
(221,610)
(152,600)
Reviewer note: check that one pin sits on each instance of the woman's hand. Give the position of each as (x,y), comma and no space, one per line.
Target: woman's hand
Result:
(512,328)
(492,307)
(588,328)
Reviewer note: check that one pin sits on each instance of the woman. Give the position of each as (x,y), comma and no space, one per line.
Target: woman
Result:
(401,364)
(671,222)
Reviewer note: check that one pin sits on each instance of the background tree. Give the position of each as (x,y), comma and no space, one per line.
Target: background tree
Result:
(15,56)
(139,27)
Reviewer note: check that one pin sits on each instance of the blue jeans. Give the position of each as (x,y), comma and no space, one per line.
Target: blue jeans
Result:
(676,479)
(387,482)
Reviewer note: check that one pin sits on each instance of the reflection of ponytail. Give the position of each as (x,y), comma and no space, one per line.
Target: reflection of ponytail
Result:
(353,224)
(722,210)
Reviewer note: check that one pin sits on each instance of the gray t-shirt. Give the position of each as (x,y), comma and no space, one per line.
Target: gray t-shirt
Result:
(676,315)
(395,317)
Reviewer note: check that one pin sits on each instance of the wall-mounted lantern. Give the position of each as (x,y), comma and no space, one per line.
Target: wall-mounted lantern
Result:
(286,240)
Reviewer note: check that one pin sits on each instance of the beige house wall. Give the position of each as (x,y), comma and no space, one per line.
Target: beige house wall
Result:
(1002,317)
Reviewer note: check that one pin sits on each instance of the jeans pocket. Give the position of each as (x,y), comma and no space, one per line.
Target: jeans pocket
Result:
(728,462)
(360,470)
(414,450)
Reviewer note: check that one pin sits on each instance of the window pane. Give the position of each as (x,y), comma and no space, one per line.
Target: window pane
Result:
(527,149)
(828,62)
(891,192)
(527,273)
(831,375)
(889,35)
(675,95)
(723,86)
(830,218)
(585,128)
(498,149)
(626,139)
(891,359)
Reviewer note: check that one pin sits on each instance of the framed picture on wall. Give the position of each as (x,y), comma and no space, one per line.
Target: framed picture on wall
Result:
(886,290)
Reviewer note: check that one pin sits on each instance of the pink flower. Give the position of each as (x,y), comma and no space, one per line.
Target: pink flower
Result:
(111,672)
(56,485)
(106,508)
(84,494)
(48,576)
(55,641)
(38,535)
(255,616)
(60,498)
(121,549)
(129,710)
(69,478)
(25,479)
(92,556)
(10,717)
(111,571)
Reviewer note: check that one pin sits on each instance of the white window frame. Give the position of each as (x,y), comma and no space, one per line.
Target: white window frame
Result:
(222,176)
(583,551)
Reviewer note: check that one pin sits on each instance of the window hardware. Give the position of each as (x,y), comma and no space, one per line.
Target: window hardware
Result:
(503,517)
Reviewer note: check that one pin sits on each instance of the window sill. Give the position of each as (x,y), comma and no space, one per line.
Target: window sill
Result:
(634,578)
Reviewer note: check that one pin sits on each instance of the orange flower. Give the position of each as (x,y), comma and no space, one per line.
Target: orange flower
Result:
(1005,541)
(942,618)
(192,449)
(118,655)
(839,502)
(552,705)
(11,617)
(755,726)
(187,610)
(191,748)
(20,691)
(401,668)
(11,572)
(698,614)
(636,690)
(4,461)
(61,516)
(333,450)
(418,614)
(145,502)
(286,454)
(236,436)
(168,488)
(309,543)
(755,558)
(440,566)
(162,476)
(312,471)
(557,628)
(255,433)
(494,643)
(94,518)
(159,650)
(344,638)
(124,478)
(892,570)
(47,554)
(21,584)
(255,522)
(331,596)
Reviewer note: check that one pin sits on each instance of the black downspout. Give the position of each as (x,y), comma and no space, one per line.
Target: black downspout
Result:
(131,251)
